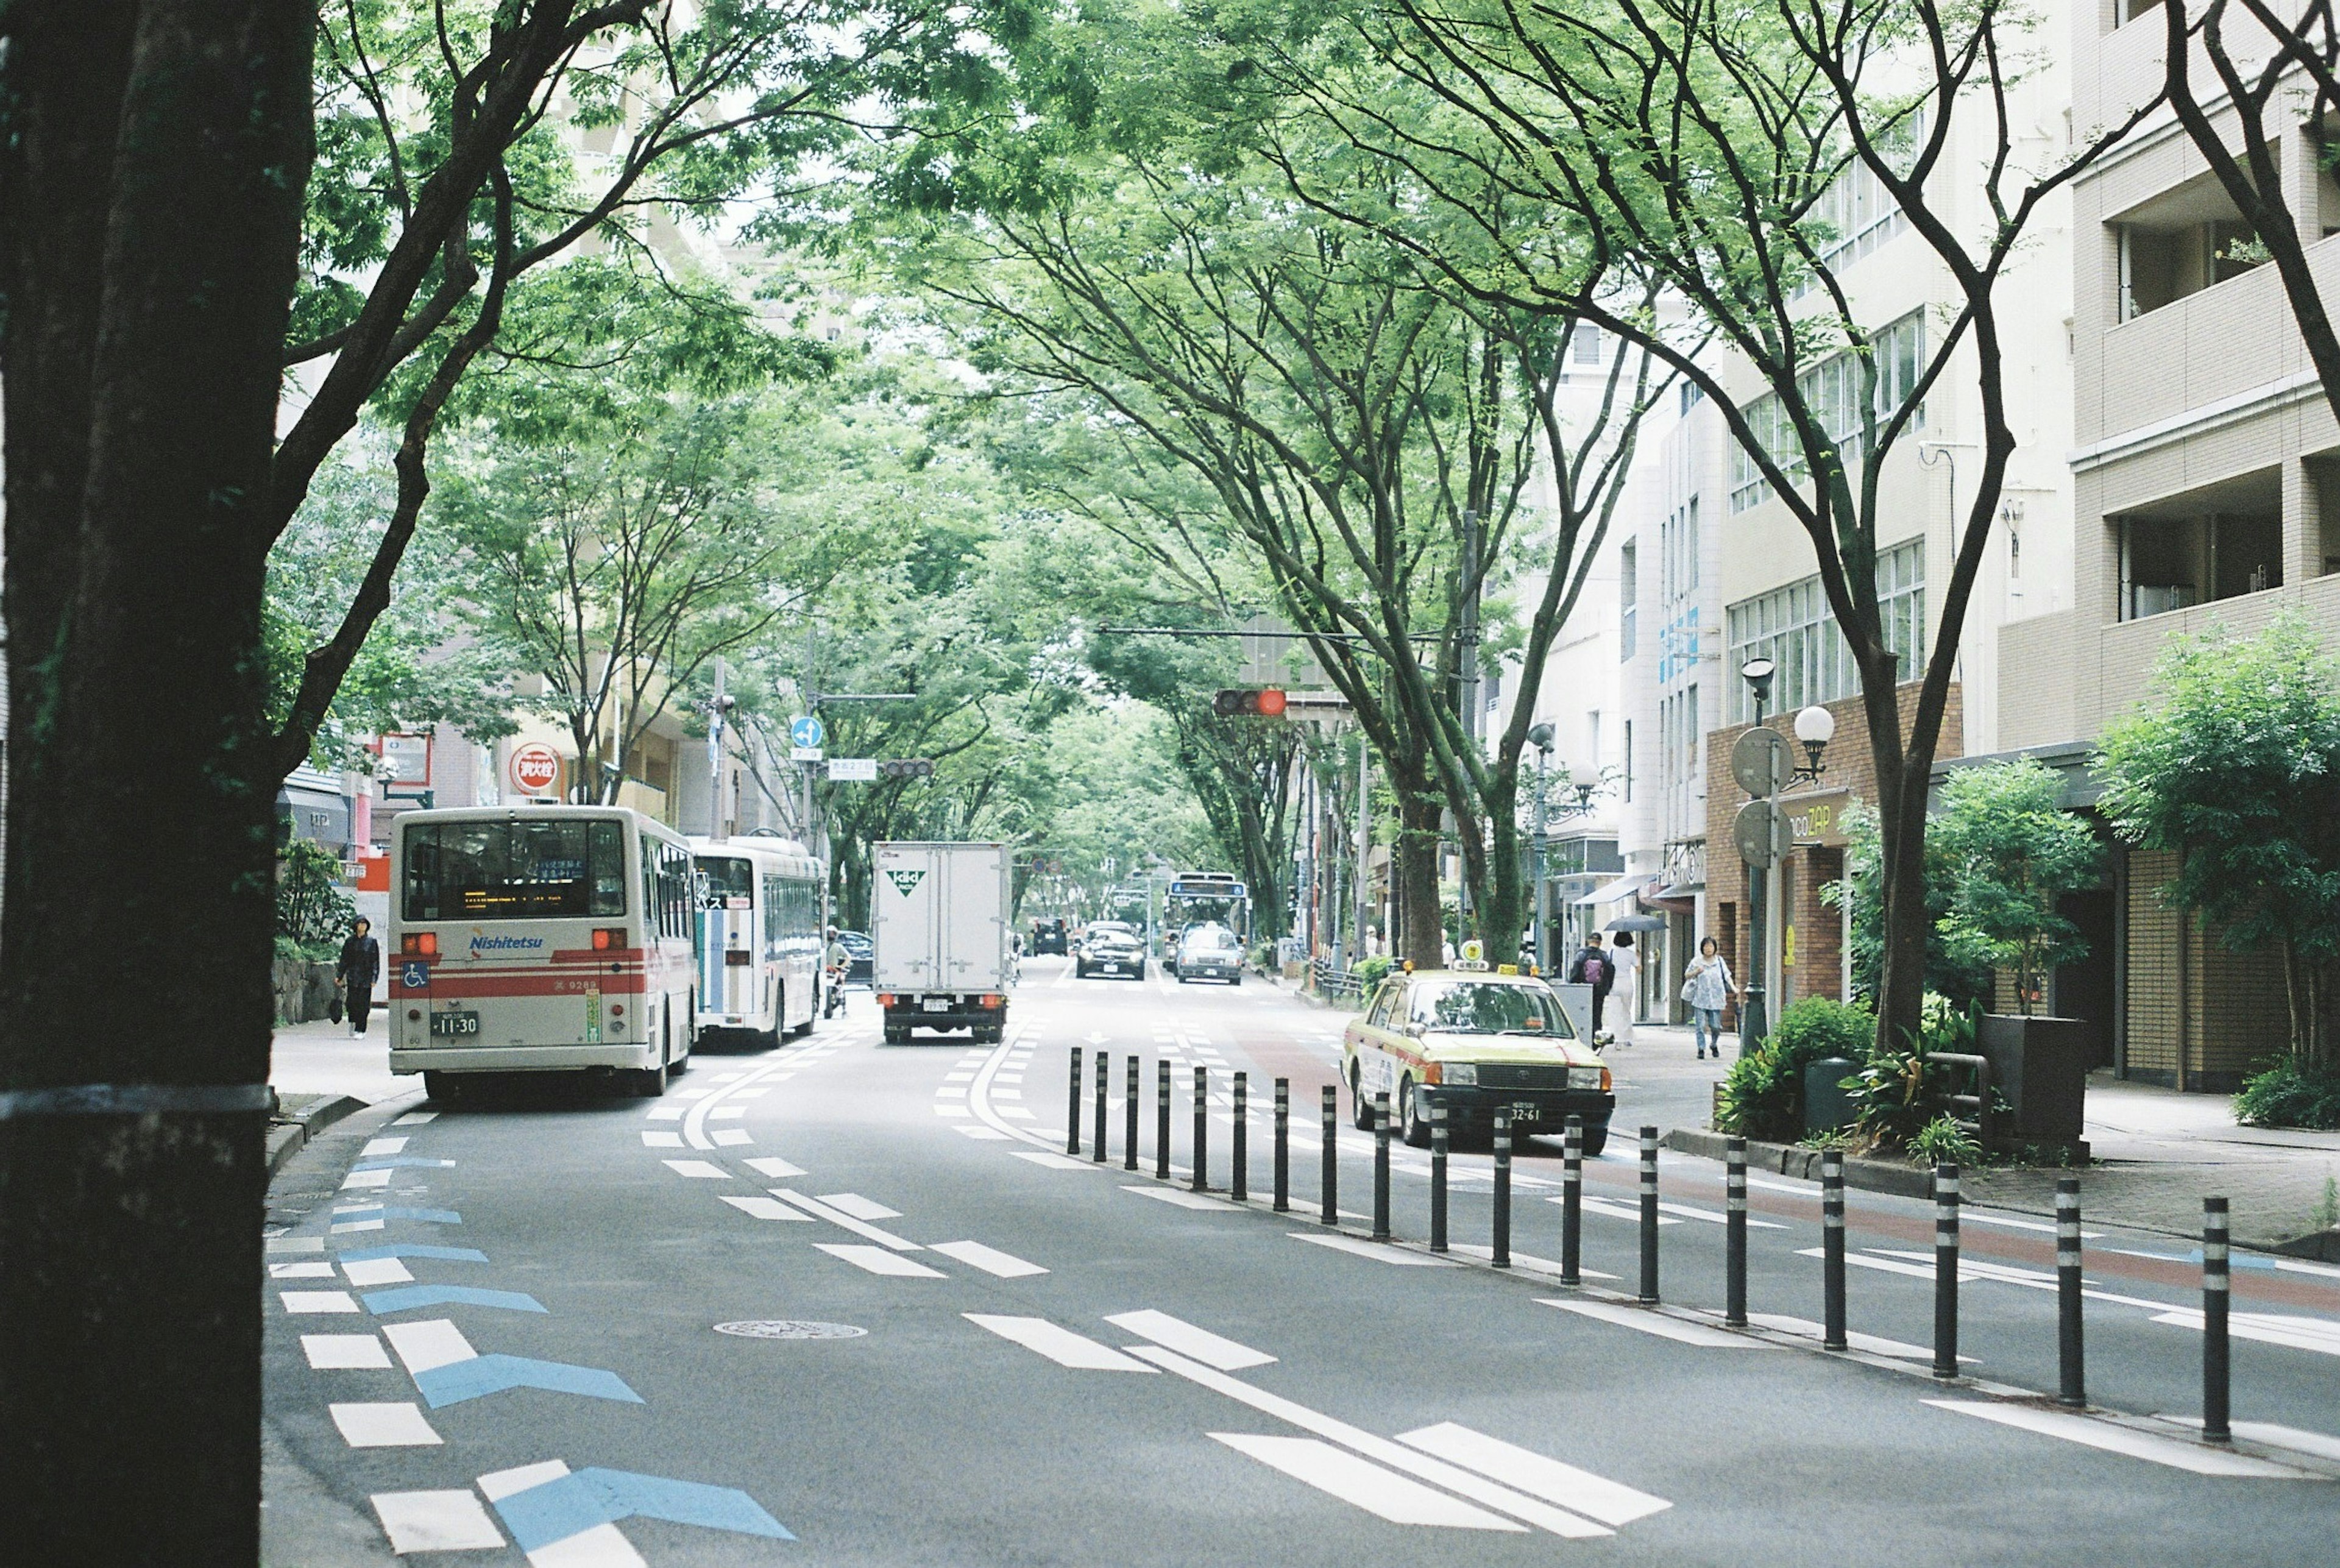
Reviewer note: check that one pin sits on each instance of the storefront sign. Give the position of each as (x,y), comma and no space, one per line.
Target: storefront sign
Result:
(1818,818)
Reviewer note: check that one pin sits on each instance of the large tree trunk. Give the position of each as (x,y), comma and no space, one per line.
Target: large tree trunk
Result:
(152,165)
(1902,832)
(1420,933)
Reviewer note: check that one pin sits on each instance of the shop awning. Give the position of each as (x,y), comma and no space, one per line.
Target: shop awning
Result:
(1678,893)
(1623,887)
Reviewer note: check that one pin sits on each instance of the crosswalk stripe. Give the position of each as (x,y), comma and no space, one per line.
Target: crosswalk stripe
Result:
(1364,1484)
(2200,1458)
(1058,1343)
(877,1260)
(1002,1265)
(1658,1323)
(1595,1497)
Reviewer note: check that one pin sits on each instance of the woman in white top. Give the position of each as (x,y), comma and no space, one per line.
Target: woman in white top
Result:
(1706,987)
(1624,965)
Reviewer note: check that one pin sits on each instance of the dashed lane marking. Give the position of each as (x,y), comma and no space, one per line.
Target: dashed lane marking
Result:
(1380,1252)
(652,1140)
(1609,1207)
(991,1261)
(2198,1457)
(877,1260)
(701,1170)
(731,1138)
(376,1271)
(384,1426)
(1194,1344)
(415,1119)
(773,1167)
(820,1210)
(1181,1199)
(860,1207)
(344,1351)
(382,1146)
(1659,1324)
(1058,1343)
(988,1135)
(1364,1484)
(297,1302)
(436,1522)
(766,1208)
(317,1270)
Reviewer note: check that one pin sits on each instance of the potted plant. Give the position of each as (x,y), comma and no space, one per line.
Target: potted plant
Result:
(2011,853)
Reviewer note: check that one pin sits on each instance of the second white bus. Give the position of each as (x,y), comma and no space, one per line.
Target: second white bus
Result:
(759,937)
(533,939)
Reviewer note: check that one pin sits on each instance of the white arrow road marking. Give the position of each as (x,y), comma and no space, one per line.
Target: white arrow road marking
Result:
(1398,1457)
(1658,1323)
(860,1207)
(2200,1458)
(1364,1484)
(436,1522)
(1595,1496)
(384,1426)
(1003,1264)
(820,1210)
(1379,1251)
(766,1208)
(877,1260)
(344,1351)
(1197,1344)
(1059,1344)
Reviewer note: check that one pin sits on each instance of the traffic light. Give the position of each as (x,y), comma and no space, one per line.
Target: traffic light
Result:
(906,768)
(1267,702)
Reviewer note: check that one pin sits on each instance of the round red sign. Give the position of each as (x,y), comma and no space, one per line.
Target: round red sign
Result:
(533,768)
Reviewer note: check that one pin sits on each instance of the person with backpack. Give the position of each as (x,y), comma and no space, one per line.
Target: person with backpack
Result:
(1592,967)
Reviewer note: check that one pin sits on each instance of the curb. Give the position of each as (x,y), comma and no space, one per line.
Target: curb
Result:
(1788,1159)
(302,1117)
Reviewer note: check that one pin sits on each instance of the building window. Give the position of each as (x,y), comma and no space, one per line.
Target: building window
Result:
(1629,762)
(1678,737)
(2174,562)
(1678,557)
(2161,264)
(1831,390)
(1587,344)
(1628,590)
(1792,626)
(1692,394)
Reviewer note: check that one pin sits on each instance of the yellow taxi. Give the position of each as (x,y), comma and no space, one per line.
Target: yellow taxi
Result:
(1478,1039)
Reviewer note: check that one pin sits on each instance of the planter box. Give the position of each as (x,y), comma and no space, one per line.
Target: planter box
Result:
(2041,1065)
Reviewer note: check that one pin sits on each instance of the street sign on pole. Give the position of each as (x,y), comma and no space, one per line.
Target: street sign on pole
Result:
(852,770)
(1762,832)
(806,730)
(533,768)
(807,754)
(1761,762)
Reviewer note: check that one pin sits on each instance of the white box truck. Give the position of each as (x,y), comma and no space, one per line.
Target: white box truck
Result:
(938,919)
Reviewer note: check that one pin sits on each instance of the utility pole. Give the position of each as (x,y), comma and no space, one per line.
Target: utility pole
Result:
(718,708)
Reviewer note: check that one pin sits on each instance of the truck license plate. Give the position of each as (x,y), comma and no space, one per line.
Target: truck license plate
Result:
(935,1004)
(454,1023)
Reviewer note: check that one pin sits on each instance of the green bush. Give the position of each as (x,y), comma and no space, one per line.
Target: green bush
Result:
(1944,1139)
(1373,971)
(1763,1093)
(311,908)
(2287,1095)
(1900,1093)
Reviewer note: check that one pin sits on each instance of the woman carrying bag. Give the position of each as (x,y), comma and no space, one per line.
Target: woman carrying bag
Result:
(1707,988)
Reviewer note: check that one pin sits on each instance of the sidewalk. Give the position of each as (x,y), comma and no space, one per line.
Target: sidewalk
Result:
(322,1059)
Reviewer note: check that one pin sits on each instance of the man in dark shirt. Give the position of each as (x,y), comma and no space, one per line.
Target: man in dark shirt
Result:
(360,966)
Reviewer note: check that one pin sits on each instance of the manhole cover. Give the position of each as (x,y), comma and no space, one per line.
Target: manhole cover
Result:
(790,1328)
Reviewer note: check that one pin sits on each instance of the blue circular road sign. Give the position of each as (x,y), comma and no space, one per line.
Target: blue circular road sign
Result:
(806,731)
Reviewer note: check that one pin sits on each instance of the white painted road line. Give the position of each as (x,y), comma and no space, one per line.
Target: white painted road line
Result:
(502,1483)
(1595,1496)
(1397,1456)
(661,1140)
(777,1169)
(415,1118)
(301,1301)
(1613,1209)
(345,1353)
(699,1170)
(1002,1265)
(2200,1458)
(1687,1211)
(1526,1262)
(358,1181)
(1055,1162)
(423,1346)
(766,1208)
(295,1244)
(2322,1445)
(1059,1344)
(377,1271)
(1875,1344)
(1977,1217)
(1364,1484)
(877,1260)
(860,1207)
(991,1135)
(436,1522)
(731,1138)
(1197,1344)
(1379,1251)
(384,1426)
(820,1210)
(319,1269)
(666,1113)
(1658,1323)
(1181,1199)
(382,1146)
(2319,1334)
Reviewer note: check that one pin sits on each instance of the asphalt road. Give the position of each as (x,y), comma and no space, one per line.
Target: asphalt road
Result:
(494,1333)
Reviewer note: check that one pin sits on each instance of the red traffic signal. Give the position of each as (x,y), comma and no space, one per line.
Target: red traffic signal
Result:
(1267,702)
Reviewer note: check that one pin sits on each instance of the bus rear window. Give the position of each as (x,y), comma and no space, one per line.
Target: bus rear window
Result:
(514,870)
(725,877)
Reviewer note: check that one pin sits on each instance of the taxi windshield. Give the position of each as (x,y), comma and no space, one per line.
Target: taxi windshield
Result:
(1475,1008)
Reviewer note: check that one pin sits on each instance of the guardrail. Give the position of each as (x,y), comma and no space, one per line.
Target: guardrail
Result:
(1978,1124)
(1330,981)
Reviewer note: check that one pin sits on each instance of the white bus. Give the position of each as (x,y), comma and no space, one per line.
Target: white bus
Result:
(760,937)
(533,939)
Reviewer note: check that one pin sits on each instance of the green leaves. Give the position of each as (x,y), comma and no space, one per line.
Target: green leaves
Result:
(2009,851)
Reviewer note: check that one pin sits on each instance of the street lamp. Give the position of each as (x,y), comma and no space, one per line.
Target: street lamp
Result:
(1752,1022)
(1540,738)
(1815,726)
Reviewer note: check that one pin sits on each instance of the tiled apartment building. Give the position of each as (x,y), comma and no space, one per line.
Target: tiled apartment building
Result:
(2206,494)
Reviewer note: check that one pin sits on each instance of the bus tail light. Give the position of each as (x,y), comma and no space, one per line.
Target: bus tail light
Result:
(421,944)
(606,938)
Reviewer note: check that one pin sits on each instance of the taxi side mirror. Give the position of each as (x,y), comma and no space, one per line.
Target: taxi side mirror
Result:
(1416,1028)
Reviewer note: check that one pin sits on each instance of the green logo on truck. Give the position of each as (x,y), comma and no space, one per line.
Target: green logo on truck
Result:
(906,882)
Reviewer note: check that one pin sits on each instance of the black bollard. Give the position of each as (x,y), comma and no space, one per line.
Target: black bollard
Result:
(1380,1167)
(1734,1233)
(1572,1201)
(1129,1118)
(1097,1154)
(1162,1121)
(1239,1184)
(1073,1110)
(1502,1237)
(1438,1141)
(1832,1335)
(1283,1144)
(1331,1156)
(1202,1129)
(2215,1367)
(2071,1382)
(1946,1270)
(1649,1216)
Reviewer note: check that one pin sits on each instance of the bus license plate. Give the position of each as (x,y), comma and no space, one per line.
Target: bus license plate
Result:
(454,1023)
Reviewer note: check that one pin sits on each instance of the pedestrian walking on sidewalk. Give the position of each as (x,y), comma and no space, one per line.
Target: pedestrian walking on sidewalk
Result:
(1592,968)
(1624,974)
(360,966)
(1706,988)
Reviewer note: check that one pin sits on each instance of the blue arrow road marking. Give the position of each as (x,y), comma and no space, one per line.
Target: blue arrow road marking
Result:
(572,1504)
(388,1162)
(484,1374)
(376,1211)
(407,1297)
(413,1249)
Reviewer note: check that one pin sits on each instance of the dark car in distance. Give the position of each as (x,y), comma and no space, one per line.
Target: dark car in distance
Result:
(1048,937)
(1115,953)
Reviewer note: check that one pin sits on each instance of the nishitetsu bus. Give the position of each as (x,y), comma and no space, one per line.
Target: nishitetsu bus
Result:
(537,938)
(759,937)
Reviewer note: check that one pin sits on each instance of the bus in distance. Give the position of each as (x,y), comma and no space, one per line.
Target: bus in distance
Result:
(761,904)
